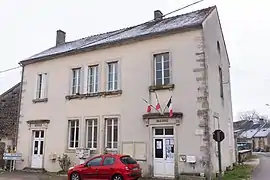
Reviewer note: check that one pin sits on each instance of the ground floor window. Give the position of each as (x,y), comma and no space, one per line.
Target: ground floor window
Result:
(111,135)
(91,133)
(73,131)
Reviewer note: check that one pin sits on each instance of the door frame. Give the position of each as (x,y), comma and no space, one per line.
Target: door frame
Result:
(164,144)
(32,145)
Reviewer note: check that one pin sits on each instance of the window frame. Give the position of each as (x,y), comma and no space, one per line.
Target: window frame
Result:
(96,80)
(112,148)
(77,125)
(78,83)
(162,54)
(116,76)
(41,86)
(100,164)
(93,133)
(220,74)
(108,157)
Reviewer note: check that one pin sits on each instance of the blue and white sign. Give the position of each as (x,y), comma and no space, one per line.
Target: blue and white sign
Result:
(12,156)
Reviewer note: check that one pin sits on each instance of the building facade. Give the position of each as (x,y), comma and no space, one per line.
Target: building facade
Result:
(88,93)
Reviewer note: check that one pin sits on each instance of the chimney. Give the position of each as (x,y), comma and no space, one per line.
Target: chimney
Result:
(158,15)
(60,37)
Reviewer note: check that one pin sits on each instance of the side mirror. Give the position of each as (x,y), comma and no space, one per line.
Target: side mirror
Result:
(85,165)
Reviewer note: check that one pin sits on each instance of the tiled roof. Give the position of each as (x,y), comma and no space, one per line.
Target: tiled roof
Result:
(148,29)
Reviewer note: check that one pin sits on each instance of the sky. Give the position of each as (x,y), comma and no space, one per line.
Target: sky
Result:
(29,26)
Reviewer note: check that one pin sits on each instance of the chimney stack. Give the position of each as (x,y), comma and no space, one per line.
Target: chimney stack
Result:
(158,15)
(60,37)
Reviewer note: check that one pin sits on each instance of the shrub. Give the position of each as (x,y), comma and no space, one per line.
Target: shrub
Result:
(64,162)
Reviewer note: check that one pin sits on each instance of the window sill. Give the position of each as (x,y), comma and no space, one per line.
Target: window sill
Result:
(70,150)
(96,94)
(161,87)
(44,100)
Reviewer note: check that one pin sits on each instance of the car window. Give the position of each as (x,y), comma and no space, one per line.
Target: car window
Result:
(95,162)
(108,161)
(128,160)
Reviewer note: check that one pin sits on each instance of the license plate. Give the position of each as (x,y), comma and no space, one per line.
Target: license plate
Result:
(135,169)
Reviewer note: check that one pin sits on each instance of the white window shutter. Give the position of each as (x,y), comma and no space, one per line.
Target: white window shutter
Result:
(70,81)
(45,85)
(119,75)
(36,87)
(106,78)
(85,79)
(42,89)
(82,81)
(99,78)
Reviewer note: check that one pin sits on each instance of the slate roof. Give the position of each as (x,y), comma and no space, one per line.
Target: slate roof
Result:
(249,133)
(146,30)
(264,131)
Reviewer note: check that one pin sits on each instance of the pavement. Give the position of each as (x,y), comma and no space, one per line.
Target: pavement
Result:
(262,171)
(29,176)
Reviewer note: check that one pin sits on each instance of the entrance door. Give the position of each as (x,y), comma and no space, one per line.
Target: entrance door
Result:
(163,152)
(38,148)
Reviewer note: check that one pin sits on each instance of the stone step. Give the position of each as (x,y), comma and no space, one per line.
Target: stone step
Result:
(34,170)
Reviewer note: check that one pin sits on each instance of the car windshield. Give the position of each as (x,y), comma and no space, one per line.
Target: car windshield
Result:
(128,160)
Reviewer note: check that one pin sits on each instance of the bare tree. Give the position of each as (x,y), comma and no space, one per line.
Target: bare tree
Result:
(249,116)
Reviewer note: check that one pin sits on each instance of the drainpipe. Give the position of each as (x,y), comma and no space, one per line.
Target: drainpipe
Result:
(19,109)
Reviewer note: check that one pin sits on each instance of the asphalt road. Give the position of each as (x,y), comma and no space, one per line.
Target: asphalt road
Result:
(262,171)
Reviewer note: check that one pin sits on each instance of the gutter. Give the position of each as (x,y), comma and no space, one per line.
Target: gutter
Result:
(19,108)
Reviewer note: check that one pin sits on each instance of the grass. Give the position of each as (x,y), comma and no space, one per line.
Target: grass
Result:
(240,172)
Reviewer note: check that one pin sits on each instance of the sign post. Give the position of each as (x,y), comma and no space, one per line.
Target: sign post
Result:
(219,136)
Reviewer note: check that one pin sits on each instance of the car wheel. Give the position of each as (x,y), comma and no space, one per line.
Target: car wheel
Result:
(75,176)
(117,177)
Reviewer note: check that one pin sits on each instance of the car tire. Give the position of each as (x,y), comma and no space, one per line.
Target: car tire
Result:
(75,176)
(117,177)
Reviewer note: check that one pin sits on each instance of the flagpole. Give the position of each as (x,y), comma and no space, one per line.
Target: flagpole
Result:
(166,105)
(149,104)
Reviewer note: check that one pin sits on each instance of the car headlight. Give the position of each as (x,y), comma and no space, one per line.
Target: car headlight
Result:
(70,168)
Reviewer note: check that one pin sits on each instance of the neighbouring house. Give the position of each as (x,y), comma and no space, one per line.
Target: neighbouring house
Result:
(262,138)
(88,93)
(9,109)
(248,134)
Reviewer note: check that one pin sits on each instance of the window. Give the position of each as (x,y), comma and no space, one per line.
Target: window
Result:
(73,131)
(112,83)
(162,69)
(128,160)
(221,82)
(95,162)
(92,79)
(108,161)
(41,86)
(218,48)
(111,133)
(76,81)
(91,133)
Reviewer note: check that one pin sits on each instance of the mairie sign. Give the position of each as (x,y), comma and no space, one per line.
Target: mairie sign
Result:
(12,156)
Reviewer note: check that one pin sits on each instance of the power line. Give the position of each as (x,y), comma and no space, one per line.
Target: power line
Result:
(9,69)
(121,31)
(182,8)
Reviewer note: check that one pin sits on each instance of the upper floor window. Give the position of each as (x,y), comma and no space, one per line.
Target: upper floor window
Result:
(41,86)
(162,69)
(221,82)
(76,81)
(92,79)
(112,76)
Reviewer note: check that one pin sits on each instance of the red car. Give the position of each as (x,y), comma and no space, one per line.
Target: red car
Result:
(107,166)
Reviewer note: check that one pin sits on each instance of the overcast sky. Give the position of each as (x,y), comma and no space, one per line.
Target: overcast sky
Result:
(29,26)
